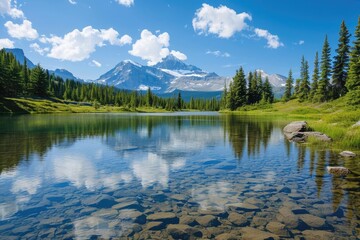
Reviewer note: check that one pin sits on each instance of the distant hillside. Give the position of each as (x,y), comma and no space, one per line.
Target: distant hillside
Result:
(20,56)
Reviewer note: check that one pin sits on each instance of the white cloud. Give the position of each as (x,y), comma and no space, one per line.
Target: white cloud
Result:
(24,30)
(218,53)
(222,21)
(273,41)
(72,2)
(7,8)
(179,55)
(78,45)
(96,63)
(6,43)
(151,47)
(38,49)
(127,3)
(301,42)
(126,39)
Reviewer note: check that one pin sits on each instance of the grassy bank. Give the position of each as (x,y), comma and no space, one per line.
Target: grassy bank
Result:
(53,105)
(335,119)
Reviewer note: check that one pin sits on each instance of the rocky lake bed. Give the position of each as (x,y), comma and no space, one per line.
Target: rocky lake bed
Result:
(180,189)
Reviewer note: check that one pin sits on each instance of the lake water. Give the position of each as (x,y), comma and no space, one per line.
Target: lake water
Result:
(163,176)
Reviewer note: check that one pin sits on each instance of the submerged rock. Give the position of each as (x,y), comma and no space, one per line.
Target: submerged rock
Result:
(208,221)
(317,235)
(347,154)
(313,221)
(247,207)
(278,229)
(249,233)
(237,219)
(166,217)
(102,201)
(182,231)
(339,171)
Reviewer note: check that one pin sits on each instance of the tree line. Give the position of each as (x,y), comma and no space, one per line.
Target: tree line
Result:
(330,79)
(248,91)
(17,80)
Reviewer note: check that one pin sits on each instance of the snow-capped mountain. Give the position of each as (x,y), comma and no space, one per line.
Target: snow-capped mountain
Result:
(169,75)
(276,80)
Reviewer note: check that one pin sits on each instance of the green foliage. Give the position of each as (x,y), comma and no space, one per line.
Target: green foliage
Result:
(315,77)
(17,80)
(341,62)
(322,93)
(267,93)
(288,87)
(304,88)
(353,82)
(240,97)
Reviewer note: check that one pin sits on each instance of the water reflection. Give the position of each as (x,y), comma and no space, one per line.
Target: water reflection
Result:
(177,163)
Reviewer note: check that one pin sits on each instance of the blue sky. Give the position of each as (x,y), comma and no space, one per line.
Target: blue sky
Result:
(89,37)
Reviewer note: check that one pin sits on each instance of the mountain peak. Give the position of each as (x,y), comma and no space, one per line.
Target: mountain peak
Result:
(20,56)
(171,62)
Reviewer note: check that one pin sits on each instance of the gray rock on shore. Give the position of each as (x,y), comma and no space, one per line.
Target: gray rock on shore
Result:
(299,131)
(347,154)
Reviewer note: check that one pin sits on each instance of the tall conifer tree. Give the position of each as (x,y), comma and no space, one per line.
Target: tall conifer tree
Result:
(323,91)
(341,62)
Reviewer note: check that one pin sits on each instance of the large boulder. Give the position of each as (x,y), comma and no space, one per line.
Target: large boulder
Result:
(298,126)
(299,132)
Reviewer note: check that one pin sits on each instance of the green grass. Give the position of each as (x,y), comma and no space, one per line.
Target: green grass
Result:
(335,119)
(53,105)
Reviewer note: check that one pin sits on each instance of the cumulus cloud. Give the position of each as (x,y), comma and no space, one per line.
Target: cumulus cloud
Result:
(38,49)
(126,3)
(78,45)
(222,21)
(24,30)
(126,39)
(96,63)
(6,43)
(179,55)
(154,48)
(151,47)
(301,42)
(218,53)
(72,2)
(6,8)
(273,41)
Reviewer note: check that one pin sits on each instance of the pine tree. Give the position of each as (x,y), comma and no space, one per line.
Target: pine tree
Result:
(304,88)
(25,76)
(341,62)
(297,87)
(323,91)
(179,102)
(353,82)
(315,77)
(38,82)
(149,98)
(238,90)
(267,95)
(288,87)
(224,97)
